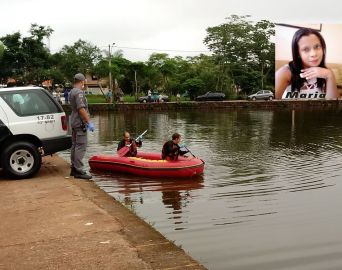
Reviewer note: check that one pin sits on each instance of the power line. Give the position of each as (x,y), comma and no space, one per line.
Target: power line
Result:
(146,49)
(163,50)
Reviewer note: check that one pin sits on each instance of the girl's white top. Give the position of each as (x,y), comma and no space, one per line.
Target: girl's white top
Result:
(309,90)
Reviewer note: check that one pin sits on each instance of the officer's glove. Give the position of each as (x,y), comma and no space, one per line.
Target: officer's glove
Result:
(90,127)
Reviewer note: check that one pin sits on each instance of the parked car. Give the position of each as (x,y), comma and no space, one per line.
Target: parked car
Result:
(262,94)
(32,124)
(211,96)
(154,98)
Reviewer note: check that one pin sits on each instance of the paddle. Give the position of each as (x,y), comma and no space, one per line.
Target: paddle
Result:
(183,146)
(124,150)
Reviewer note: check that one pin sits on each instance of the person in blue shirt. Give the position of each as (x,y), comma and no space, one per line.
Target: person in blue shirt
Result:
(66,96)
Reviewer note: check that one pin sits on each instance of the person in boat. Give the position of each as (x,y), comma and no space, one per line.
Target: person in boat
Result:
(127,140)
(171,149)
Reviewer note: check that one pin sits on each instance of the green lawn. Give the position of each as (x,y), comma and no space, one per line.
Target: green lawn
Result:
(96,99)
(127,99)
(101,99)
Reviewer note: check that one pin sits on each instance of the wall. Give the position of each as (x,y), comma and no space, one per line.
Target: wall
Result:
(209,106)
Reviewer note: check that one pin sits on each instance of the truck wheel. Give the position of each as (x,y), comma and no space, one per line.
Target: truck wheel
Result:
(21,160)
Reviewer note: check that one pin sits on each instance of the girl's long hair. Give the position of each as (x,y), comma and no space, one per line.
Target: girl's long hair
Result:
(296,64)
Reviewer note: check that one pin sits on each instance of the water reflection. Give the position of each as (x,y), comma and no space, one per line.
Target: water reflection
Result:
(306,128)
(176,194)
(268,196)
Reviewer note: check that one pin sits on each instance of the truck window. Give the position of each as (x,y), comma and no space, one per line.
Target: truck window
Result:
(30,102)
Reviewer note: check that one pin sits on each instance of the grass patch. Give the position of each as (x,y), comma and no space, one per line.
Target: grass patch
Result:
(129,99)
(96,99)
(126,99)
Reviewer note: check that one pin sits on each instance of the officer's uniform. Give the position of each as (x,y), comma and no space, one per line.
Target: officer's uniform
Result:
(77,101)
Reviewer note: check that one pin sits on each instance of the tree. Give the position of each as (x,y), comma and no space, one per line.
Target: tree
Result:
(166,67)
(36,54)
(193,86)
(81,57)
(27,57)
(137,74)
(264,50)
(54,74)
(12,63)
(39,32)
(2,49)
(243,58)
(240,46)
(101,69)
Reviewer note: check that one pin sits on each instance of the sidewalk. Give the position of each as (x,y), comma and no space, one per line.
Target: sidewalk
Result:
(52,222)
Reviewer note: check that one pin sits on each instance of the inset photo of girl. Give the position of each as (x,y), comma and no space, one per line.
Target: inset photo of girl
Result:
(308,61)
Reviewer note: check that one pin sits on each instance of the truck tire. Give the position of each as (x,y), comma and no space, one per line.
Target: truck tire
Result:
(21,160)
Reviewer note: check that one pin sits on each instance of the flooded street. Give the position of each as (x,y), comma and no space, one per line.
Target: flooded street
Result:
(269,196)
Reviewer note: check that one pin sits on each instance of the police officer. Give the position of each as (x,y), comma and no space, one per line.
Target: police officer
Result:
(80,123)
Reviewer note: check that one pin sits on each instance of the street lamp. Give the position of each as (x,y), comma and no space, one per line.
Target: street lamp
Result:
(110,64)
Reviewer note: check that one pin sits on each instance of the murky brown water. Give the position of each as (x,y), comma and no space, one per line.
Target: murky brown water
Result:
(270,195)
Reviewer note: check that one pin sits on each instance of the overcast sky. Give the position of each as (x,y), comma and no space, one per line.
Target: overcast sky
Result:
(150,24)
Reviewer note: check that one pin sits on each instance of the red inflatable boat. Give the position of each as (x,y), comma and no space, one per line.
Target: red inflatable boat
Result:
(149,165)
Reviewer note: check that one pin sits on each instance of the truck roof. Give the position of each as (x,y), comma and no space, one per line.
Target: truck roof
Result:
(20,88)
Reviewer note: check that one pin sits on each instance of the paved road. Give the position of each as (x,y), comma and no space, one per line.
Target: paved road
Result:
(56,222)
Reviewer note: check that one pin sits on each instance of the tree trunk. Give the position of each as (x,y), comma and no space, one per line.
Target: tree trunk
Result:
(262,76)
(136,84)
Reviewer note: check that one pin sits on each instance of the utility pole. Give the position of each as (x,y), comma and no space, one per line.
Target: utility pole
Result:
(110,64)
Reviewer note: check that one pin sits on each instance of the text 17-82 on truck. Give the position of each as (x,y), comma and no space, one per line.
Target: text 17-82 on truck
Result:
(32,124)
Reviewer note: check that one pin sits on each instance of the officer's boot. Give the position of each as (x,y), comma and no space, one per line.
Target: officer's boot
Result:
(83,175)
(79,174)
(73,171)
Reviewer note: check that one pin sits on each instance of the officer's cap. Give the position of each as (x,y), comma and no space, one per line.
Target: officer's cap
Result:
(79,77)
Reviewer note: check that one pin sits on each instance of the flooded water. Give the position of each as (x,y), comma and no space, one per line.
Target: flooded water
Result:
(268,199)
